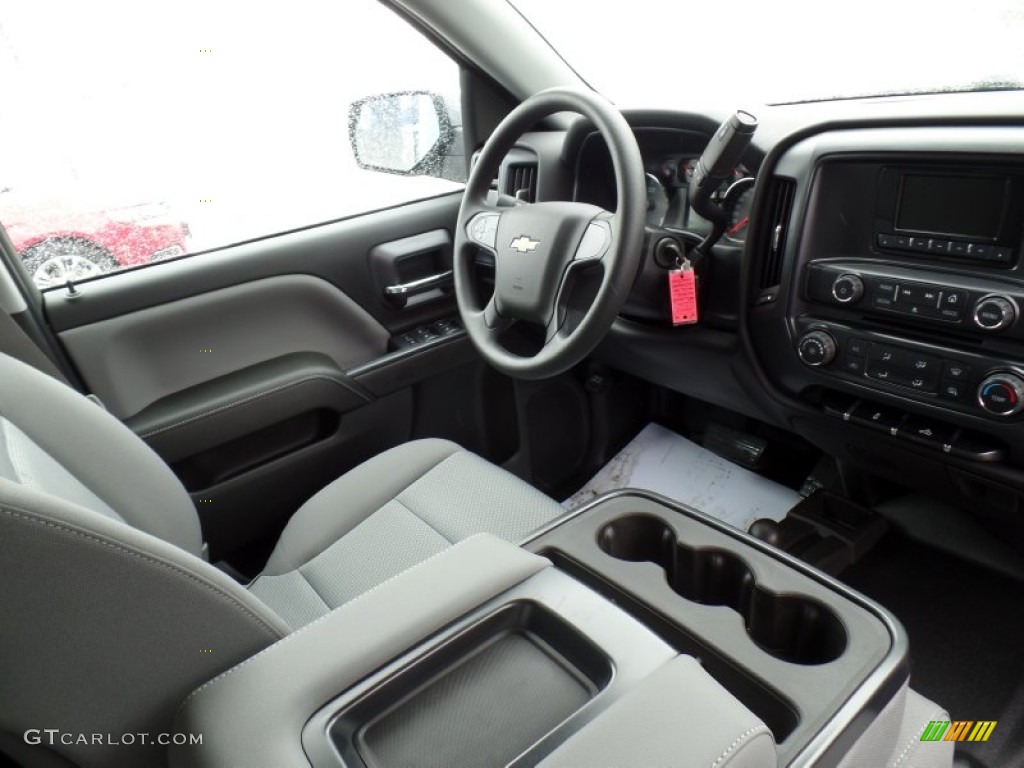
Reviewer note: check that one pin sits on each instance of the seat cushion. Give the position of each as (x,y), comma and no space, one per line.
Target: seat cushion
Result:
(387,515)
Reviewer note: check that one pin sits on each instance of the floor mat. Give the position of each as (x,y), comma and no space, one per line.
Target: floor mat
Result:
(659,460)
(966,632)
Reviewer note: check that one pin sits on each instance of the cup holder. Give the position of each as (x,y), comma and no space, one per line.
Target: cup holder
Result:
(789,627)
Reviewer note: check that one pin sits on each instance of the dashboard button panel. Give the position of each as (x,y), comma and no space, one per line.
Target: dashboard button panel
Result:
(901,426)
(974,304)
(980,252)
(950,379)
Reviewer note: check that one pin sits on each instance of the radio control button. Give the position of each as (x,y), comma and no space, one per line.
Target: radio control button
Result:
(884,287)
(957,249)
(980,250)
(899,242)
(921,310)
(1001,255)
(919,243)
(922,295)
(993,313)
(938,246)
(847,289)
(953,300)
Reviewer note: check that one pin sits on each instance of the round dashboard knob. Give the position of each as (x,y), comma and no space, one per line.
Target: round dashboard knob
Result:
(847,289)
(816,348)
(1002,394)
(993,313)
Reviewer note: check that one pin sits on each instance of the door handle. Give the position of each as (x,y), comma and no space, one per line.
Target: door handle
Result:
(424,284)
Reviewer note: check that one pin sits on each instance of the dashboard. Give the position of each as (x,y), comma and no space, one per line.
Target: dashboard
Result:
(867,294)
(895,307)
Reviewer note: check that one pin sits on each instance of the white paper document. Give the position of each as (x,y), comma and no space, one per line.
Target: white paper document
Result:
(659,460)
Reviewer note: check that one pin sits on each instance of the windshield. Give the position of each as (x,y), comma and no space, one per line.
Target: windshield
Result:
(749,52)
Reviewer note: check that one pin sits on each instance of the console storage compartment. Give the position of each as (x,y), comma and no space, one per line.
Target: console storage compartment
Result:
(503,685)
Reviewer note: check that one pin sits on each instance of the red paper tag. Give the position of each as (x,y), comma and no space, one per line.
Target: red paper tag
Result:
(682,294)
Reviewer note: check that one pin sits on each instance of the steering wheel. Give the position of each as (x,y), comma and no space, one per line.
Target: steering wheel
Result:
(541,249)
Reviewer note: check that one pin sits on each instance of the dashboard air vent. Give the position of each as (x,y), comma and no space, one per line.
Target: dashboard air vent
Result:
(521,181)
(773,239)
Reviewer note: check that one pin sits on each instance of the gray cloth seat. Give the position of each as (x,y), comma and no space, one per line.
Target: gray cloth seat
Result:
(116,615)
(386,515)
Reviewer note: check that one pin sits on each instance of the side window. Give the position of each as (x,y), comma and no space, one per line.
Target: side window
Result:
(145,131)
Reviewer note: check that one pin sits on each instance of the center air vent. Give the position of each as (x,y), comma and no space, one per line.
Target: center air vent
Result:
(771,244)
(521,181)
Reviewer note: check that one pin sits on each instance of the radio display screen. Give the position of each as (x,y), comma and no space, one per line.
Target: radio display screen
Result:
(958,206)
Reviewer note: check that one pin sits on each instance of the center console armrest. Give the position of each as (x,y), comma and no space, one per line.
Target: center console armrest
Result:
(254,713)
(678,717)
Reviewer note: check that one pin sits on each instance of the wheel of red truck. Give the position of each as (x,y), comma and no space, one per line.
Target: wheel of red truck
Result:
(55,261)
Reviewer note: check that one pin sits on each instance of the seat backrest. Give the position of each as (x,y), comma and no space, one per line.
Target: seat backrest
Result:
(109,616)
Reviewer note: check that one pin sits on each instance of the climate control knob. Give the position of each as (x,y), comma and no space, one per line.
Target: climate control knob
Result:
(1002,394)
(816,348)
(993,313)
(847,289)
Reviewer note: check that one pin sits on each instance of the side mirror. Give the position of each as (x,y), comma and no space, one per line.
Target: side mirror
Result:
(408,133)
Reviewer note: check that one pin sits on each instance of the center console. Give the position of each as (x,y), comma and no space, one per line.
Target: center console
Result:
(631,632)
(894,304)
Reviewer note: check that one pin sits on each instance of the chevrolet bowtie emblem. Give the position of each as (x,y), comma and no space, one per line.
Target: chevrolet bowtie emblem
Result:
(524,244)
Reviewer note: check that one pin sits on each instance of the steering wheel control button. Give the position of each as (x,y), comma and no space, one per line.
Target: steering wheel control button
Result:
(877,417)
(595,242)
(994,313)
(847,289)
(816,349)
(483,229)
(1002,394)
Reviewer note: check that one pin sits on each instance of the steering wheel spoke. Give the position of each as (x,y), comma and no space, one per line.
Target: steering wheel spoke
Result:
(597,239)
(494,321)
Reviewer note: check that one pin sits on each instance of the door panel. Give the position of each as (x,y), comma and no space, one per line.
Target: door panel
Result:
(262,372)
(138,358)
